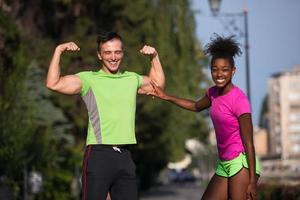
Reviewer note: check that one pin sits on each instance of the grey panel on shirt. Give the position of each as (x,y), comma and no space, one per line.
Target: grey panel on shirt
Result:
(90,102)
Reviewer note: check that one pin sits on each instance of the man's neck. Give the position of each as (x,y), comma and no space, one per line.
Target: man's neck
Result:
(104,69)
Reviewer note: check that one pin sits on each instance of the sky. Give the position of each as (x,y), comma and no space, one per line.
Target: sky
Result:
(274,39)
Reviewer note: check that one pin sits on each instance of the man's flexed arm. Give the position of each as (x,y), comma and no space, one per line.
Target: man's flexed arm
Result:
(156,73)
(70,84)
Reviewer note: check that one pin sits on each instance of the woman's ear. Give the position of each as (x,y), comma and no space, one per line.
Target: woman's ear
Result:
(233,70)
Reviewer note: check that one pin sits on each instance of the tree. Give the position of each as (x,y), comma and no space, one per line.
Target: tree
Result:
(15,110)
(161,127)
(263,116)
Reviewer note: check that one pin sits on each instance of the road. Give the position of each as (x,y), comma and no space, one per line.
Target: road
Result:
(178,191)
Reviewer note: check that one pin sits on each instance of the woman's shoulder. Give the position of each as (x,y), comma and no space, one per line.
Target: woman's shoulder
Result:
(238,91)
(212,90)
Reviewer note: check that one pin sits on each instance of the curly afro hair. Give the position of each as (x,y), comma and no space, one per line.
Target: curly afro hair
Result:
(223,47)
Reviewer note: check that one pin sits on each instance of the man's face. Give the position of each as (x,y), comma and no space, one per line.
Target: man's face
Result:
(111,54)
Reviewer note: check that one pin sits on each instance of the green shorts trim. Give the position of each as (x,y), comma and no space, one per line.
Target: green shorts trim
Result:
(232,167)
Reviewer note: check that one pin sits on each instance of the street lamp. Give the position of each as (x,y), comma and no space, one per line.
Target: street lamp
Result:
(215,8)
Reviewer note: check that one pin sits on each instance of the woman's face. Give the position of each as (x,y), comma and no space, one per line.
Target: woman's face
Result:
(222,72)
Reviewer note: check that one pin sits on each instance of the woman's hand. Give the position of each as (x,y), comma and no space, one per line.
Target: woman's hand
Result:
(157,91)
(251,192)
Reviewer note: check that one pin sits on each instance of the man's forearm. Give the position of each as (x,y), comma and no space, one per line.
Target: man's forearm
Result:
(156,71)
(53,75)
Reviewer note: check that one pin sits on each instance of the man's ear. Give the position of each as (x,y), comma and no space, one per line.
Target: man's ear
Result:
(99,56)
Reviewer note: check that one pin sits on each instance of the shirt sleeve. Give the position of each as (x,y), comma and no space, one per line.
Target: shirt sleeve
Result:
(241,105)
(139,79)
(85,84)
(209,92)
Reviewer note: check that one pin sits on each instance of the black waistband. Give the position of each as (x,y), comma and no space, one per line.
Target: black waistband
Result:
(108,146)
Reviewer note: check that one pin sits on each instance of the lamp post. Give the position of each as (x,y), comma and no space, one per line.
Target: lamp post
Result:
(215,8)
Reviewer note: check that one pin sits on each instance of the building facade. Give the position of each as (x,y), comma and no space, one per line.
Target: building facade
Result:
(284,114)
(261,142)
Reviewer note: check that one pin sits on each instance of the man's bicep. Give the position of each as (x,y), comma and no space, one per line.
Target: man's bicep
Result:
(145,86)
(70,84)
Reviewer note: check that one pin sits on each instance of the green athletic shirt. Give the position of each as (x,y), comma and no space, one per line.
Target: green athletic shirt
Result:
(111,101)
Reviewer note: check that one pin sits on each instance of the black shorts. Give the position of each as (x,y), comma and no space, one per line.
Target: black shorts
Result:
(106,169)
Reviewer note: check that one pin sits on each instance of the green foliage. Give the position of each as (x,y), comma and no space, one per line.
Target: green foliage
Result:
(263,113)
(53,149)
(47,130)
(15,110)
(32,127)
(163,128)
(278,190)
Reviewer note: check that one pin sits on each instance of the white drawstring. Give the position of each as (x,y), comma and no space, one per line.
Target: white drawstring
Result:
(117,149)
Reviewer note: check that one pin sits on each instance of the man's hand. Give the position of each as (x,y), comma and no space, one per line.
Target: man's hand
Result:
(68,46)
(148,51)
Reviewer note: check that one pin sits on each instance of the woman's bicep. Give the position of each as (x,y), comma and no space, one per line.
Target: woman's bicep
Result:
(246,127)
(203,103)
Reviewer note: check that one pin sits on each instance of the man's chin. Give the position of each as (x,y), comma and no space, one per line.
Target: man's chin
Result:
(113,70)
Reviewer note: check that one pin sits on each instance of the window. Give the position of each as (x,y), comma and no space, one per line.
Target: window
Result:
(294,96)
(295,137)
(294,117)
(295,106)
(296,148)
(294,127)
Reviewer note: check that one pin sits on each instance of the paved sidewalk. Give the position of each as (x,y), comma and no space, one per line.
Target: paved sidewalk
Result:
(175,191)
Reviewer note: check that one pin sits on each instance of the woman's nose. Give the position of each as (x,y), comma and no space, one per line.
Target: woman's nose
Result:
(219,73)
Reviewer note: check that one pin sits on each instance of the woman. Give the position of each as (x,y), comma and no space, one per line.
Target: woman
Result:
(238,170)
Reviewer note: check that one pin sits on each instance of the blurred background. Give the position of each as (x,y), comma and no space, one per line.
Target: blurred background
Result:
(43,133)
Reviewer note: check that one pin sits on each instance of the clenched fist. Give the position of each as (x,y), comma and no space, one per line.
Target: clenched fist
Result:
(68,46)
(148,51)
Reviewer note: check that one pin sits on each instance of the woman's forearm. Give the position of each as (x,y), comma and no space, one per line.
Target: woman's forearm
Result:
(250,152)
(183,103)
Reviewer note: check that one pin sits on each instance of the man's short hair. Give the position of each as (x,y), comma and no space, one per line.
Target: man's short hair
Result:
(107,36)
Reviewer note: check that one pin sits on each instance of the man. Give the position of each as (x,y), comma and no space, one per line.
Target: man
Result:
(110,97)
